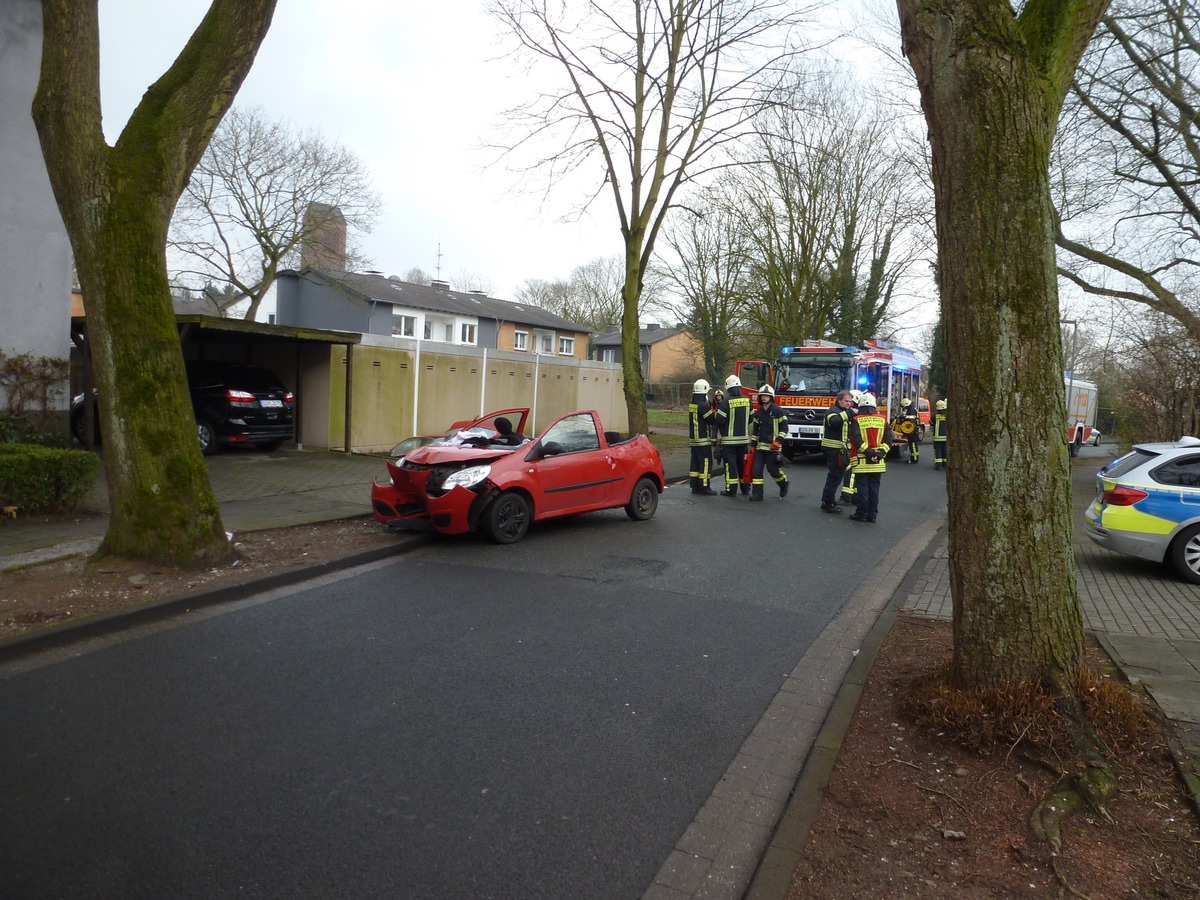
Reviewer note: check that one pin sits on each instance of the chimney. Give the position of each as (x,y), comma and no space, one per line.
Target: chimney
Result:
(440,285)
(324,244)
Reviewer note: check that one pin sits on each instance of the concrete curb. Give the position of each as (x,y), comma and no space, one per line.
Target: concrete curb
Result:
(109,623)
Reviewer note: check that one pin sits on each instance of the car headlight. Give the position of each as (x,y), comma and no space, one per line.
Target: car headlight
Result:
(466,478)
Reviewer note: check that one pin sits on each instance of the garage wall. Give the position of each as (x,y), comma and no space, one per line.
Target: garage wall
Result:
(403,387)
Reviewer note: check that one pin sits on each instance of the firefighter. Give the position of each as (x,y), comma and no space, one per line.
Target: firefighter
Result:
(939,436)
(767,425)
(908,426)
(700,424)
(835,440)
(870,439)
(849,490)
(735,411)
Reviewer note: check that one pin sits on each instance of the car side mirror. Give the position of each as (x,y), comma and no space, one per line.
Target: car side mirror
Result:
(550,448)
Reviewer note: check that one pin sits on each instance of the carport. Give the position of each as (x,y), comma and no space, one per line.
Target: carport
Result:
(213,338)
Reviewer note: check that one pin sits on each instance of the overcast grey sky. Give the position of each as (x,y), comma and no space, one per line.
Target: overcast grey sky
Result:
(411,86)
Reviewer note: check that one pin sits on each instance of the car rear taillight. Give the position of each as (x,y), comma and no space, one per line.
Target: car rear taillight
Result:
(238,396)
(289,397)
(1123,496)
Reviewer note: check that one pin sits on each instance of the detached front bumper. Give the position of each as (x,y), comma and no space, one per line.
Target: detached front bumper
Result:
(451,513)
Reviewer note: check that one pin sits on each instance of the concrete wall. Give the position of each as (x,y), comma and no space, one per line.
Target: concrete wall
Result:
(35,255)
(403,387)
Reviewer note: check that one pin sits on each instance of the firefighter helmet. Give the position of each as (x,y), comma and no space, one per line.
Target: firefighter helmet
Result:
(866,400)
(941,404)
(700,387)
(856,396)
(906,402)
(767,389)
(733,381)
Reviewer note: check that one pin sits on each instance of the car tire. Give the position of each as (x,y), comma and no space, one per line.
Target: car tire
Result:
(1096,441)
(1184,554)
(506,518)
(207,436)
(643,502)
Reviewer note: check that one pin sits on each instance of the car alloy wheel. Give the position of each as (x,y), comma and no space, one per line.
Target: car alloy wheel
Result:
(208,437)
(1184,554)
(507,518)
(643,503)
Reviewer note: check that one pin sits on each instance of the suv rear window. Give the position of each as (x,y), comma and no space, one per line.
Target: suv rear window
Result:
(1127,463)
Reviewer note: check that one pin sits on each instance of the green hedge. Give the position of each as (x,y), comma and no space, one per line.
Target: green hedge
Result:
(44,480)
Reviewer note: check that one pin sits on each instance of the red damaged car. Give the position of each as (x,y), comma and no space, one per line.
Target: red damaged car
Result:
(488,476)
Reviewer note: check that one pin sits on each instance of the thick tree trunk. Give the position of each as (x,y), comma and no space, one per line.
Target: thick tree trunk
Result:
(991,88)
(631,350)
(116,204)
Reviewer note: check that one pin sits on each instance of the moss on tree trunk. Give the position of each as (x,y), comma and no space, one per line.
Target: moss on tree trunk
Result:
(116,204)
(992,86)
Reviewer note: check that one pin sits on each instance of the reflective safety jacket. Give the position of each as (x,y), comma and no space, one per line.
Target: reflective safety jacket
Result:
(837,429)
(736,407)
(939,425)
(869,431)
(700,421)
(767,423)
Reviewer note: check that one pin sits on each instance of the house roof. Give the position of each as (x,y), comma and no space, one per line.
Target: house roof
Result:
(654,334)
(440,299)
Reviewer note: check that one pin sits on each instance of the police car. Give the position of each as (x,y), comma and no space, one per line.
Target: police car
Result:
(1148,505)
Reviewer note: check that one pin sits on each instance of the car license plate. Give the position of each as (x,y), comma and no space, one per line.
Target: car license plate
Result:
(809,430)
(270,403)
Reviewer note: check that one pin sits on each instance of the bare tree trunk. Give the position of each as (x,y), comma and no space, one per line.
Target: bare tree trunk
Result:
(116,204)
(992,85)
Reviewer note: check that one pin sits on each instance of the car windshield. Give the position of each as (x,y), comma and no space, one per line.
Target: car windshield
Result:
(815,377)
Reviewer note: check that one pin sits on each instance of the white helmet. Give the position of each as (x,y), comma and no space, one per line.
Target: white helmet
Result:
(941,404)
(733,381)
(700,387)
(767,389)
(906,402)
(866,400)
(856,396)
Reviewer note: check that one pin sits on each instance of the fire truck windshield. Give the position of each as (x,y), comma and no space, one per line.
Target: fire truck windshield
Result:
(815,377)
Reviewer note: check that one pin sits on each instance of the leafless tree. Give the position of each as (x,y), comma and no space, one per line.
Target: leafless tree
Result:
(246,210)
(1130,150)
(826,204)
(653,92)
(709,271)
(591,296)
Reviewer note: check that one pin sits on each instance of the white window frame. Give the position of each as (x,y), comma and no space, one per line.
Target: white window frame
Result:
(399,323)
(521,340)
(543,342)
(466,333)
(566,346)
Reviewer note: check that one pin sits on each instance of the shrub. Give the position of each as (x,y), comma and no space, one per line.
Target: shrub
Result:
(44,480)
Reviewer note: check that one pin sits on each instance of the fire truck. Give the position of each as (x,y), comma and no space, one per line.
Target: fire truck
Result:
(1081,411)
(808,377)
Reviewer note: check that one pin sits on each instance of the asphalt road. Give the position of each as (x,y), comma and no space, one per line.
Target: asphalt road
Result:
(539,720)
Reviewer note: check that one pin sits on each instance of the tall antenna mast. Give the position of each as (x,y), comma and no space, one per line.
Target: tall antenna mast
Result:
(439,261)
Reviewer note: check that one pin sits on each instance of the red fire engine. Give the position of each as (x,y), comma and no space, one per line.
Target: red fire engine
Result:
(808,377)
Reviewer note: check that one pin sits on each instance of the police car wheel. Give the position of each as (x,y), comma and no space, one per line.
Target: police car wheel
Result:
(1184,554)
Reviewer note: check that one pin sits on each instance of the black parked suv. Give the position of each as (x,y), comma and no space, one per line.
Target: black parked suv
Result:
(234,403)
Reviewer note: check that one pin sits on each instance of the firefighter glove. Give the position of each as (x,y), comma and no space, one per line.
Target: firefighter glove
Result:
(775,446)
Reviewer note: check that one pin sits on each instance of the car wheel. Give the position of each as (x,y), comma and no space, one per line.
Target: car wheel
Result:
(643,503)
(208,438)
(1184,554)
(507,518)
(1096,441)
